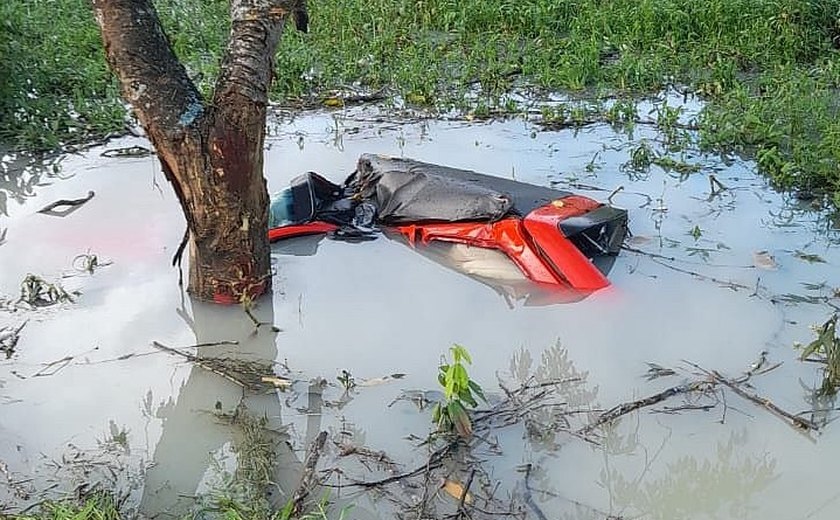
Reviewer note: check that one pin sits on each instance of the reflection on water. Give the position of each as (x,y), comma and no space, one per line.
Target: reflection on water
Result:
(211,412)
(573,391)
(725,484)
(637,482)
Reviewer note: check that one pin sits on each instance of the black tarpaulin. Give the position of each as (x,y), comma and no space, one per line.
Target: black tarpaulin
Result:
(410,191)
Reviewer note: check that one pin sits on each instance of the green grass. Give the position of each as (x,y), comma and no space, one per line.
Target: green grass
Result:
(768,68)
(96,507)
(102,507)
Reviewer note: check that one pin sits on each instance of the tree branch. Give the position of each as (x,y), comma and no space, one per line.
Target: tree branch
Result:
(248,65)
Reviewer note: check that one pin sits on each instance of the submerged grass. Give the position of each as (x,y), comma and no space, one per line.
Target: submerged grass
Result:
(768,68)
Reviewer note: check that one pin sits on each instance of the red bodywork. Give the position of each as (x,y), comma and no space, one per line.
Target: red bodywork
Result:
(534,242)
(299,230)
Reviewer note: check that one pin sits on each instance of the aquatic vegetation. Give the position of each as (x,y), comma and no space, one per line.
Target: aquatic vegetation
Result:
(641,158)
(825,349)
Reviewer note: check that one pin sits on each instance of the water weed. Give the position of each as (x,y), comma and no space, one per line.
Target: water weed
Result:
(825,349)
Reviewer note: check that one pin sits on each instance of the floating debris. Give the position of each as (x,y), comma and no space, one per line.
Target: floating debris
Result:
(9,337)
(457,491)
(254,376)
(764,260)
(376,381)
(811,258)
(38,292)
(128,151)
(346,379)
(279,382)
(71,206)
(88,263)
(656,371)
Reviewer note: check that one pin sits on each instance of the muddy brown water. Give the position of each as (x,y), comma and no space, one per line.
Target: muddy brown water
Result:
(85,389)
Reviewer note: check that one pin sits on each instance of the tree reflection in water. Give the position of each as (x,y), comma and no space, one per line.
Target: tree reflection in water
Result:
(723,485)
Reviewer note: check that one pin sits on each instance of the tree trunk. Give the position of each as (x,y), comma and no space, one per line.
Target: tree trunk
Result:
(212,153)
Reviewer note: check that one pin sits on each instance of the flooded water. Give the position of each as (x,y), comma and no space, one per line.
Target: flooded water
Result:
(85,389)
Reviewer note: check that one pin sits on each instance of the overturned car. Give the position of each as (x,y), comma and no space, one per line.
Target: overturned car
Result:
(519,238)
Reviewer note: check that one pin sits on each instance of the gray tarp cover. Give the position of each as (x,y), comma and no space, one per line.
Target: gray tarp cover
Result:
(405,190)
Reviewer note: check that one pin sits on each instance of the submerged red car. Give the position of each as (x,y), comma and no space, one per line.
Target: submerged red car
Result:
(557,241)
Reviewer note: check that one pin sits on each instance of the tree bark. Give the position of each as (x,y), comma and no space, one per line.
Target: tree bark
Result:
(212,153)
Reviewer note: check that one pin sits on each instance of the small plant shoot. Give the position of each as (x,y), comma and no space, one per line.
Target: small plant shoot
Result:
(460,392)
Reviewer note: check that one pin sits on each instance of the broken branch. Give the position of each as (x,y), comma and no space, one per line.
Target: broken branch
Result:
(197,361)
(71,204)
(625,408)
(313,454)
(797,422)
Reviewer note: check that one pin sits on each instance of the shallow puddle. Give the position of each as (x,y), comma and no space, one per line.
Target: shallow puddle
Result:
(85,388)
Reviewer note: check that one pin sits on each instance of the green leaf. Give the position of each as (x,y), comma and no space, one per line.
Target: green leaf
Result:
(811,348)
(477,390)
(459,352)
(462,380)
(436,413)
(467,397)
(286,512)
(460,419)
(449,388)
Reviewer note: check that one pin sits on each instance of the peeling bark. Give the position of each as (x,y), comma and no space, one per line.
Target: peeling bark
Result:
(212,153)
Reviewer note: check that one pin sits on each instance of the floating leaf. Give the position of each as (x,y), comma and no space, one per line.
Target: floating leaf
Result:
(764,260)
(799,298)
(456,490)
(702,252)
(809,257)
(656,371)
(814,286)
(696,232)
